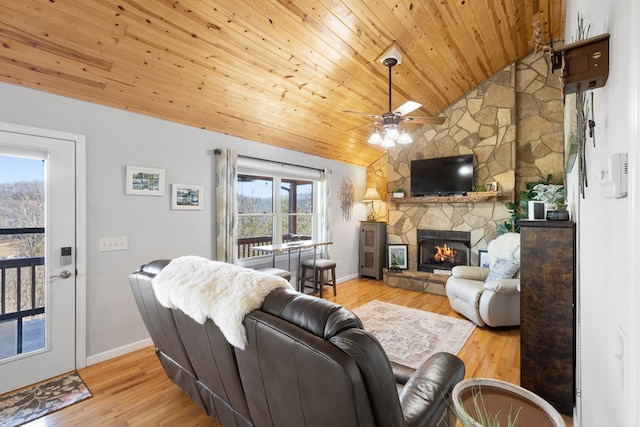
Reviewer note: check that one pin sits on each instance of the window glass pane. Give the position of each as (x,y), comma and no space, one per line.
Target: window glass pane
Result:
(300,225)
(296,196)
(304,224)
(255,194)
(304,199)
(286,198)
(21,206)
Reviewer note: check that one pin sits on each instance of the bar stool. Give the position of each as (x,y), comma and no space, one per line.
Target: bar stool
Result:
(276,272)
(321,266)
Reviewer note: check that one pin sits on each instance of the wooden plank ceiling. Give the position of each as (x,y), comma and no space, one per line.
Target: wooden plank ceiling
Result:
(278,72)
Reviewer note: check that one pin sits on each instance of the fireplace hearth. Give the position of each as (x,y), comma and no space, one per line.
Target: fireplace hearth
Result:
(441,250)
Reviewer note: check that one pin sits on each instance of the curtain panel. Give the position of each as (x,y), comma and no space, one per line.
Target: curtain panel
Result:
(324,226)
(226,205)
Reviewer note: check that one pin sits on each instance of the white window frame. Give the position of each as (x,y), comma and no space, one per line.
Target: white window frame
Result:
(279,171)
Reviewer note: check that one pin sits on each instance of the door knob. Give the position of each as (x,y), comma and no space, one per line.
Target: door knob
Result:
(64,274)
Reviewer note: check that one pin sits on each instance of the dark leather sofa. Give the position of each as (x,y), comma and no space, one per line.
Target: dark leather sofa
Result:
(308,362)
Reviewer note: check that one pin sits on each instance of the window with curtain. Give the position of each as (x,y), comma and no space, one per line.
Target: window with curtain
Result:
(276,204)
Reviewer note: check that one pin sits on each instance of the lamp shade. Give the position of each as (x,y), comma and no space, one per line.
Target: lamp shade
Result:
(371,194)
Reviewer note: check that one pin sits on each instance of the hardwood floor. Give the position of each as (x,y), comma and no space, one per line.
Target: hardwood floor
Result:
(133,390)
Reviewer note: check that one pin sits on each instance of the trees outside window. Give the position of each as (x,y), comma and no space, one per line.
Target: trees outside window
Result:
(273,210)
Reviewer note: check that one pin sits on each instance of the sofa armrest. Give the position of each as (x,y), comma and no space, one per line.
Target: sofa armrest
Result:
(503,286)
(426,398)
(470,272)
(401,373)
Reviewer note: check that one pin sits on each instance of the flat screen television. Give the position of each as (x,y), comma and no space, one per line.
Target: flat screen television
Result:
(442,176)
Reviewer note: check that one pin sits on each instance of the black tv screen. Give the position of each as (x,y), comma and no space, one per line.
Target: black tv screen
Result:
(442,176)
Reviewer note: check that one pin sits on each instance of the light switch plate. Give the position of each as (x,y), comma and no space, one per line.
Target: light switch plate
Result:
(106,244)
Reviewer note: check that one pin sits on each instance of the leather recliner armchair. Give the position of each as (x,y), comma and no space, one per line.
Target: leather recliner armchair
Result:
(308,362)
(488,302)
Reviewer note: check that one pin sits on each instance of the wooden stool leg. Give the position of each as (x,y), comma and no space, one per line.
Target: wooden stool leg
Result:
(333,280)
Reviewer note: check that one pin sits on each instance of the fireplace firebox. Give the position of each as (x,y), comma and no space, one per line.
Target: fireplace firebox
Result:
(441,250)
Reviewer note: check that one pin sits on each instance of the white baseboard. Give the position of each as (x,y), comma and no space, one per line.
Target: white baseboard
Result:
(101,357)
(345,278)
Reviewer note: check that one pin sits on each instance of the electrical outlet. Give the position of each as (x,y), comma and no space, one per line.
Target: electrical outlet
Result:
(106,244)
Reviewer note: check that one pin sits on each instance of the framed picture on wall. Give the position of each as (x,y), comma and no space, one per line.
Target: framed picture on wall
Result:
(483,258)
(398,256)
(186,197)
(142,181)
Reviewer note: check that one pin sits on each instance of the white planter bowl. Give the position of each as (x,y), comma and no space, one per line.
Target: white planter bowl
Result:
(503,398)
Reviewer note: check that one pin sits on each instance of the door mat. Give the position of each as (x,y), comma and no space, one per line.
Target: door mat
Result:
(27,404)
(410,336)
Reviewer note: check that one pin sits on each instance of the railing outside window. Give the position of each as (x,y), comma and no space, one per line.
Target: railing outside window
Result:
(22,299)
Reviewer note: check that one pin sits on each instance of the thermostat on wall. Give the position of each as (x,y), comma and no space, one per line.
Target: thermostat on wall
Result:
(614,179)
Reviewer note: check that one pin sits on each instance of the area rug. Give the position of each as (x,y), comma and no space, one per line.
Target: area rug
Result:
(27,404)
(408,335)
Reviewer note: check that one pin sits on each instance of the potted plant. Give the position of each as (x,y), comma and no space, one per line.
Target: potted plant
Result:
(520,208)
(398,192)
(486,402)
(551,194)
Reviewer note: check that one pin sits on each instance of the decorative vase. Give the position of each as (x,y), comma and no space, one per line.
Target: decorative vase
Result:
(398,195)
(498,400)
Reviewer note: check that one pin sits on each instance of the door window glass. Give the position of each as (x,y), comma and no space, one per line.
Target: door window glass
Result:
(22,281)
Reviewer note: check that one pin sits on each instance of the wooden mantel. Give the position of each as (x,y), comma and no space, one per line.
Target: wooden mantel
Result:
(476,197)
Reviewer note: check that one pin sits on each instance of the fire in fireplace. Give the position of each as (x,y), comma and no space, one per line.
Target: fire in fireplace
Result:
(445,254)
(440,250)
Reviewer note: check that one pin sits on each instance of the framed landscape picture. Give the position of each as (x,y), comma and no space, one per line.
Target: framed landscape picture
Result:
(398,256)
(142,181)
(483,258)
(186,197)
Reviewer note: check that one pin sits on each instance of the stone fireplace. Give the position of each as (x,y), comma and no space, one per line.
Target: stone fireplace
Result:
(441,250)
(513,125)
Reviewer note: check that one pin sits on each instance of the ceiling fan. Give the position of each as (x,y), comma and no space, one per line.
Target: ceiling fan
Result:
(387,130)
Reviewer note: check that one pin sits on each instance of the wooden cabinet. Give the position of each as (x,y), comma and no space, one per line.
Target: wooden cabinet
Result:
(547,310)
(373,244)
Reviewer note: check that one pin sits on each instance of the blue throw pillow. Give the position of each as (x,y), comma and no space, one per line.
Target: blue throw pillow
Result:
(503,269)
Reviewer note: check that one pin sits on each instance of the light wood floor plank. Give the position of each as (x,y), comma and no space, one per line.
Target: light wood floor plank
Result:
(133,390)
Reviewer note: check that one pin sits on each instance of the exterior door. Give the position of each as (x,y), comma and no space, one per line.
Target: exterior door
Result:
(44,282)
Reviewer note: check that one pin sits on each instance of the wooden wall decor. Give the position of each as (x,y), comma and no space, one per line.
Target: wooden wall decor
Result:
(347,198)
(585,63)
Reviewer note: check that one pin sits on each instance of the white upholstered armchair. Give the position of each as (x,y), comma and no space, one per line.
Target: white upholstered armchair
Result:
(491,295)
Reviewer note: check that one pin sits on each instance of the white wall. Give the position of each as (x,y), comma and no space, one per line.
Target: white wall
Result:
(607,229)
(117,138)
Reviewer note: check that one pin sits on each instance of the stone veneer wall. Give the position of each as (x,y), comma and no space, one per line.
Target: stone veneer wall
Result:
(512,123)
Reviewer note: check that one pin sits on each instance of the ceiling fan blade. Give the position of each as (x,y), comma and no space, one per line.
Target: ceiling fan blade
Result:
(407,107)
(361,126)
(372,116)
(425,119)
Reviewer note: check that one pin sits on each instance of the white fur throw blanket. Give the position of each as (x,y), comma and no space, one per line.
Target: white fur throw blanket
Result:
(225,293)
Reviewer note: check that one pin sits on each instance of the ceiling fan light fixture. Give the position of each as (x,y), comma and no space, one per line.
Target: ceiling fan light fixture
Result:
(386,131)
(404,137)
(375,138)
(392,133)
(387,143)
